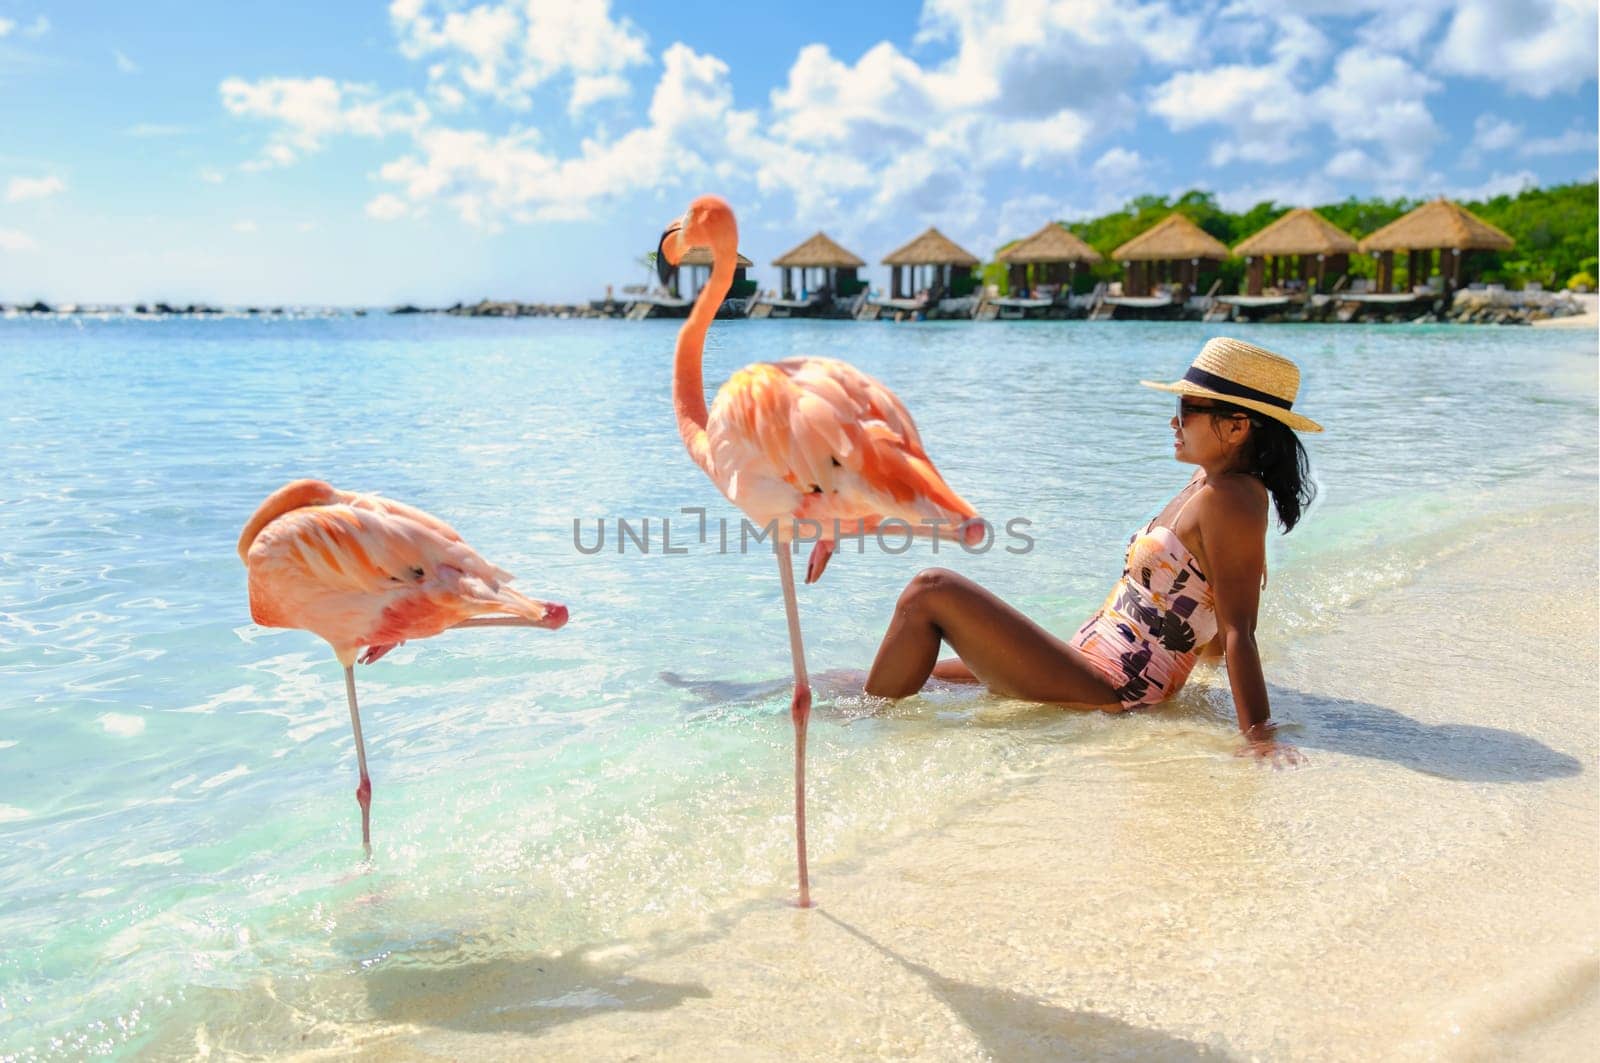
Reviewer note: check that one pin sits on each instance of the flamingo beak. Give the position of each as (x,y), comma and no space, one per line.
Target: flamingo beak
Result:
(665,266)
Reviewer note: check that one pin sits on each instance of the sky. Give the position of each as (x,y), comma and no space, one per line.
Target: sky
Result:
(431,151)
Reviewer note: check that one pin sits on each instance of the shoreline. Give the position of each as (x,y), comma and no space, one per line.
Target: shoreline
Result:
(1466,306)
(1146,892)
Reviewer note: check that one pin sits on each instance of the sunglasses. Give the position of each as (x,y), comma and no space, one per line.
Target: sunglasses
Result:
(1187,406)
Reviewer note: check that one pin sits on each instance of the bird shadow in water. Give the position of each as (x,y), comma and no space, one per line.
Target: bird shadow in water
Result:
(1012,1025)
(520,994)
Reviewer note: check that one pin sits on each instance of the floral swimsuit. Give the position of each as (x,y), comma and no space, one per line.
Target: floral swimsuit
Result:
(1146,636)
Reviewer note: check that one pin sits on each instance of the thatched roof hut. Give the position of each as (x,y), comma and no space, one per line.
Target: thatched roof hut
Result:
(1171,249)
(818,252)
(1440,223)
(701,256)
(1045,264)
(948,266)
(1171,239)
(835,275)
(698,259)
(1320,246)
(1053,243)
(1440,226)
(1302,231)
(932,248)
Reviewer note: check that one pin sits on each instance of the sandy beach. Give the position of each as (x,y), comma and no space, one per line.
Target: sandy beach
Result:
(1422,888)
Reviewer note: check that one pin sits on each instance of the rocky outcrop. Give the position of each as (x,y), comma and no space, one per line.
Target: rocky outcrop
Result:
(1472,307)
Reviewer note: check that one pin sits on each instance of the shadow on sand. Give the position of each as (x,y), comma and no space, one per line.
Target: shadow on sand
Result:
(1011,1025)
(1457,751)
(521,994)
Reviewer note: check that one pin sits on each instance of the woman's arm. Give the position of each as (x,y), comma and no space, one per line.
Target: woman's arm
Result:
(954,670)
(1233,531)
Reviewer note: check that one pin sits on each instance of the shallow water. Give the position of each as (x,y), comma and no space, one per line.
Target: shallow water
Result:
(180,846)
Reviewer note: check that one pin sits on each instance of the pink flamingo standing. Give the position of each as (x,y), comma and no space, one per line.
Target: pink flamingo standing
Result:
(360,570)
(811,440)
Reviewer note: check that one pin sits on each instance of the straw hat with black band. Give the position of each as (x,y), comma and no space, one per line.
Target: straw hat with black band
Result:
(1244,375)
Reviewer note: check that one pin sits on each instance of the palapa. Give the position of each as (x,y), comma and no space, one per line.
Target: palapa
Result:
(932,248)
(819,252)
(1438,224)
(1302,231)
(1053,243)
(701,256)
(1173,238)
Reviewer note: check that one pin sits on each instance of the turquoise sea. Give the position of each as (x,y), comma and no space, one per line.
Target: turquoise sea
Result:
(180,860)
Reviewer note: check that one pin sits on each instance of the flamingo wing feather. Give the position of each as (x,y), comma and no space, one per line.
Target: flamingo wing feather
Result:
(816,437)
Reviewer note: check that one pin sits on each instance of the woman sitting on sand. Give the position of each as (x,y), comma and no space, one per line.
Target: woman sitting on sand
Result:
(1191,582)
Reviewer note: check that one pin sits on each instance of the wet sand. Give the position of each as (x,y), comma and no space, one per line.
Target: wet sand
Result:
(1424,887)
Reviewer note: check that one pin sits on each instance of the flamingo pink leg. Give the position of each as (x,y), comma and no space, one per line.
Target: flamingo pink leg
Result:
(819,559)
(799,713)
(364,788)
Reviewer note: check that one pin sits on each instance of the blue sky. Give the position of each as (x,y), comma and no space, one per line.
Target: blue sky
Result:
(432,151)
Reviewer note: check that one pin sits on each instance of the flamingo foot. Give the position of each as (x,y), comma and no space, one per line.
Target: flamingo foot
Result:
(800,714)
(820,554)
(364,798)
(375,653)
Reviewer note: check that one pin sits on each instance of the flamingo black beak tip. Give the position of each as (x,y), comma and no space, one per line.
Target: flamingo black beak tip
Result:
(665,269)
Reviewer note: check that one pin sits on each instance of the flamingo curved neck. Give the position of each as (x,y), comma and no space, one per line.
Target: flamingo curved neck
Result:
(688,383)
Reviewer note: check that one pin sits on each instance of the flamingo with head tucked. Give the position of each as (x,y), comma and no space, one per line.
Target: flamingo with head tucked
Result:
(364,571)
(810,441)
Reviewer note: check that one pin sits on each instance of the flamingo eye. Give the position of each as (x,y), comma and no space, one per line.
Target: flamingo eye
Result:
(417,573)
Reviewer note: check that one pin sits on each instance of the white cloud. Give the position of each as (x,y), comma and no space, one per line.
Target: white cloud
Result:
(25,188)
(387,207)
(12,240)
(309,110)
(1261,110)
(505,51)
(1501,184)
(1572,142)
(124,64)
(211,175)
(1377,99)
(245,226)
(1118,165)
(1302,191)
(1351,164)
(590,89)
(1494,134)
(1390,27)
(35,29)
(1534,47)
(1491,135)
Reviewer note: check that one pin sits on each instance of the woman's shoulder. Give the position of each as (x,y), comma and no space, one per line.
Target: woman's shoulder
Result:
(1234,495)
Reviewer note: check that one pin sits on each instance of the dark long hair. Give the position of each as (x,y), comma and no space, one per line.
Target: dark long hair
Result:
(1274,455)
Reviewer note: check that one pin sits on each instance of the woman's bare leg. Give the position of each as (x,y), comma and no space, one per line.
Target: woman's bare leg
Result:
(1003,648)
